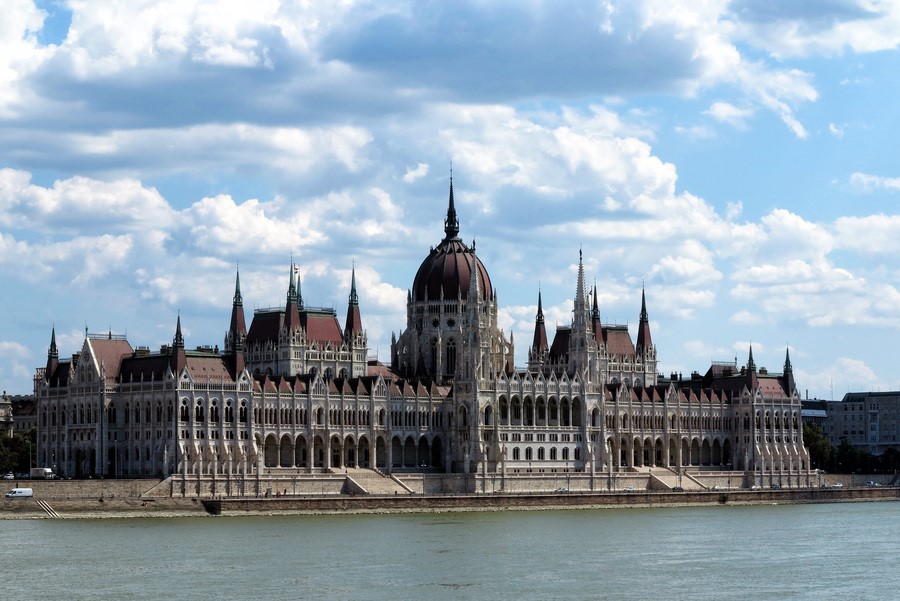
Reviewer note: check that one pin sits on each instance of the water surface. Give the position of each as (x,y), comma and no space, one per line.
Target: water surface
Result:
(832,551)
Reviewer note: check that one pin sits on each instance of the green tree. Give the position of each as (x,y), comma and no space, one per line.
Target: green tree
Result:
(820,449)
(16,450)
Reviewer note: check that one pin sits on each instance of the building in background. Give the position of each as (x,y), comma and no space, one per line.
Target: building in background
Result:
(869,421)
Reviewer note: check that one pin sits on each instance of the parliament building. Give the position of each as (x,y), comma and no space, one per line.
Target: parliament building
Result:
(296,394)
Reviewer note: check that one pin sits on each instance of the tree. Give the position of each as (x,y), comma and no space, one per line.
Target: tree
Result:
(820,449)
(15,452)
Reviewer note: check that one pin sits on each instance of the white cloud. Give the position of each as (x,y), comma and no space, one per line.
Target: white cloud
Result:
(878,234)
(730,114)
(836,131)
(10,349)
(220,226)
(845,374)
(414,173)
(80,203)
(863,182)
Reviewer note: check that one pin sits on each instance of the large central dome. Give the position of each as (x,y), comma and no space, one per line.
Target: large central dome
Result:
(446,273)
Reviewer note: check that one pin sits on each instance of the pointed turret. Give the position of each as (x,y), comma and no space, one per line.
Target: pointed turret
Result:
(644,340)
(353,325)
(52,356)
(237,330)
(580,294)
(789,372)
(539,344)
(595,319)
(291,310)
(177,357)
(752,379)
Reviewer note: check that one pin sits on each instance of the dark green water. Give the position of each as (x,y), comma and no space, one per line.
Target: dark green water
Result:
(838,551)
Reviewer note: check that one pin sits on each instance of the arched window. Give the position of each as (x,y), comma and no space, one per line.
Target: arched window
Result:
(198,413)
(516,454)
(451,358)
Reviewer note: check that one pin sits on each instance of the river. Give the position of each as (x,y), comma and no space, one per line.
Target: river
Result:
(829,551)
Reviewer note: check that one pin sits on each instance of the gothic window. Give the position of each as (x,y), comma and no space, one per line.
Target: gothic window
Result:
(198,414)
(451,357)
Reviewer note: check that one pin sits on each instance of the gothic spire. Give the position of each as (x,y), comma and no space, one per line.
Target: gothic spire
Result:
(178,342)
(238,300)
(178,358)
(292,289)
(595,318)
(789,371)
(751,364)
(52,356)
(53,352)
(644,340)
(353,324)
(237,329)
(580,294)
(451,225)
(354,299)
(539,343)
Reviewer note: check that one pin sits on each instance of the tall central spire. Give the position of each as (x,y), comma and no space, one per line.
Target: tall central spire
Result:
(451,225)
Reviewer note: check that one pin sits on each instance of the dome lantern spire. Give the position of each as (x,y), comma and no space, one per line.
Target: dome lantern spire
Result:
(451,224)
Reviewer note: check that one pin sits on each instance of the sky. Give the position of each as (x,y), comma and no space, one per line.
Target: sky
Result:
(737,159)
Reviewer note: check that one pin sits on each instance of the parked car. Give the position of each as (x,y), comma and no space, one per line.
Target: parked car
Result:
(678,489)
(628,489)
(872,484)
(9,476)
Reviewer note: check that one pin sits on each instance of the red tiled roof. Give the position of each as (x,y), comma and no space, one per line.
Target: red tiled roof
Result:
(321,327)
(560,347)
(266,325)
(109,353)
(208,368)
(618,341)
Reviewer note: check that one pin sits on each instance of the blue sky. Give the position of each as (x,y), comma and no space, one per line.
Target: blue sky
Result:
(735,157)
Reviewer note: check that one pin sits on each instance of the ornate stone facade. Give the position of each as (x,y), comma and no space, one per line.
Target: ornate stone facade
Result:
(295,393)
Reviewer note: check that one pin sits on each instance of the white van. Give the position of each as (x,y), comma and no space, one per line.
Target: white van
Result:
(20,493)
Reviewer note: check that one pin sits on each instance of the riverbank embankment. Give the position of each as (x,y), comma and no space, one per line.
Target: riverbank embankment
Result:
(128,498)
